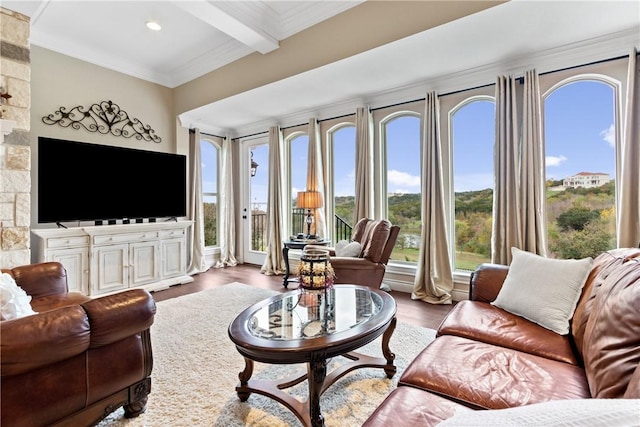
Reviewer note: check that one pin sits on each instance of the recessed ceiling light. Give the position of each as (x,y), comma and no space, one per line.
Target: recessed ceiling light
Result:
(153,26)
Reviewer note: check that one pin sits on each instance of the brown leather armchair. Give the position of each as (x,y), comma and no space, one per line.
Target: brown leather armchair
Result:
(78,359)
(377,238)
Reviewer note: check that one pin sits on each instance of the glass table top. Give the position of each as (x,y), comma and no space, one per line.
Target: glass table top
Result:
(304,314)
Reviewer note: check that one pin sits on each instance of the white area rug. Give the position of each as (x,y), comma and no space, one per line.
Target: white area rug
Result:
(196,369)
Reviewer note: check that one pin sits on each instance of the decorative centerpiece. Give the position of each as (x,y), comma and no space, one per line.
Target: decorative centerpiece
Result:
(314,269)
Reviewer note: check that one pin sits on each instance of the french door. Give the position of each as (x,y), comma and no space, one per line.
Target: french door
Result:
(254,171)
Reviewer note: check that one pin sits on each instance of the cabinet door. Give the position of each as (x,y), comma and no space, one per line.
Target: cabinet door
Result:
(174,257)
(76,262)
(144,263)
(109,269)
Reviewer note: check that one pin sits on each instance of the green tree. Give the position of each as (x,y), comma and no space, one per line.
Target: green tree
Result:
(576,218)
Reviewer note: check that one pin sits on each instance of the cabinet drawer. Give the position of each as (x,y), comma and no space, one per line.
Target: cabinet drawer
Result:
(123,238)
(171,233)
(64,242)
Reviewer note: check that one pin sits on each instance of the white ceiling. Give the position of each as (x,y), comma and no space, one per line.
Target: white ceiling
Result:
(201,36)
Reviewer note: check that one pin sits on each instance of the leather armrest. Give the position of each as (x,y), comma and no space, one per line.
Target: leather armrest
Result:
(42,339)
(117,316)
(353,263)
(486,282)
(40,280)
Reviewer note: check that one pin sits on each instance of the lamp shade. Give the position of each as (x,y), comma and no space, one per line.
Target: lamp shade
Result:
(309,199)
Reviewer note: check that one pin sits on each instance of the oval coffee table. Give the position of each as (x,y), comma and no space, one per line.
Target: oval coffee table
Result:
(312,327)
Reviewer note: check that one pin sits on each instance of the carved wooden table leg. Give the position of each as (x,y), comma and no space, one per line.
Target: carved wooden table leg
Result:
(317,373)
(390,369)
(244,377)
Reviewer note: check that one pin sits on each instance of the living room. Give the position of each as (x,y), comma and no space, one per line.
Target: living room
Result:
(41,80)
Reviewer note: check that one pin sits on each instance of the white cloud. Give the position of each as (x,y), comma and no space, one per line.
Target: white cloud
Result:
(554,160)
(609,135)
(398,178)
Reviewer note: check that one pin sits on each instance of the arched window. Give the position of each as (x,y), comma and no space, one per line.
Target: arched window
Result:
(342,140)
(210,151)
(473,135)
(298,160)
(580,149)
(400,134)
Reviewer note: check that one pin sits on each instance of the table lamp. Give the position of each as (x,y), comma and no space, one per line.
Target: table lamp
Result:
(309,200)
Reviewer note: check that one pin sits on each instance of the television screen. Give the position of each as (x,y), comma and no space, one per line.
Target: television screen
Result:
(88,182)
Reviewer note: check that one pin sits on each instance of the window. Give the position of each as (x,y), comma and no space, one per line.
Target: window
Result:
(401,138)
(210,167)
(343,149)
(298,158)
(473,135)
(580,141)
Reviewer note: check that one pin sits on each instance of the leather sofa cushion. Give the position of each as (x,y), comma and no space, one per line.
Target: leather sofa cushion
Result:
(611,347)
(377,234)
(44,339)
(486,376)
(484,322)
(358,232)
(409,406)
(52,302)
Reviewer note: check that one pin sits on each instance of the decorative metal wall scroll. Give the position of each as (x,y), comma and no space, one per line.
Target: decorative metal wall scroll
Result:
(104,117)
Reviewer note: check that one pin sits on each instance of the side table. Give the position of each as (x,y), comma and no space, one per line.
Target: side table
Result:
(296,244)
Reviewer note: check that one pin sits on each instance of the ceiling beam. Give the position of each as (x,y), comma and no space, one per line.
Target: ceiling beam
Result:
(228,24)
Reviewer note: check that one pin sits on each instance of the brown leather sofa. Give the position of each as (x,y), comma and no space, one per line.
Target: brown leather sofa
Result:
(377,239)
(78,359)
(487,358)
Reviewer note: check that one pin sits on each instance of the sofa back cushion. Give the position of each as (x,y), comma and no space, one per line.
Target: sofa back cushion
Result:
(606,331)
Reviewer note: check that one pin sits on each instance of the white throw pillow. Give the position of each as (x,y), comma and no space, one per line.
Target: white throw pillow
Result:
(14,301)
(346,249)
(543,290)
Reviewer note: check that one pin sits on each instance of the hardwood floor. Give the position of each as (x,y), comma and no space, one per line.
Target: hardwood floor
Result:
(409,311)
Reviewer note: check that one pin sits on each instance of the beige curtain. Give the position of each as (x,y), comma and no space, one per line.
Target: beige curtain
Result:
(274,261)
(532,195)
(506,206)
(227,231)
(434,278)
(628,210)
(197,263)
(315,176)
(364,165)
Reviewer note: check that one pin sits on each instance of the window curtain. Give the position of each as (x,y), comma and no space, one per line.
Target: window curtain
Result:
(506,222)
(274,261)
(364,165)
(532,171)
(629,196)
(434,278)
(315,176)
(197,263)
(226,222)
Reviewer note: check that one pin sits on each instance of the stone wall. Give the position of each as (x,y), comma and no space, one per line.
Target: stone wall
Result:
(15,151)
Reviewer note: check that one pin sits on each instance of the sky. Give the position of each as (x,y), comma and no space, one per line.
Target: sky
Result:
(578,119)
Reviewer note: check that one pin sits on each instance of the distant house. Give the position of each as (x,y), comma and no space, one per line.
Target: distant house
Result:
(586,180)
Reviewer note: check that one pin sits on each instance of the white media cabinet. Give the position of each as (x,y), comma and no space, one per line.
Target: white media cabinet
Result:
(110,258)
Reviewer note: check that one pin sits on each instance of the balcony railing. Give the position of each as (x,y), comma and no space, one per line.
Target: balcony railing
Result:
(342,230)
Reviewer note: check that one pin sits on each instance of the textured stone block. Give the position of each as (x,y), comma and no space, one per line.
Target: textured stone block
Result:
(18,158)
(20,91)
(15,181)
(18,70)
(15,238)
(15,28)
(23,210)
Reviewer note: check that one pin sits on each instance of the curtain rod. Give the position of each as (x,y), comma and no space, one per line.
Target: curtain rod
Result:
(208,134)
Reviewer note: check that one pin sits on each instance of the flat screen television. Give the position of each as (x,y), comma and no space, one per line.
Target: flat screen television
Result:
(79,181)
